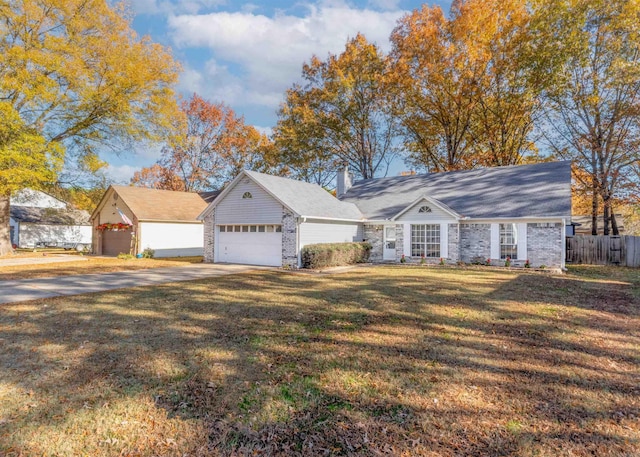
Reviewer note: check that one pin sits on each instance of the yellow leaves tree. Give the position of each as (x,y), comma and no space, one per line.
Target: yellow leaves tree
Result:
(211,146)
(339,115)
(594,105)
(77,77)
(463,86)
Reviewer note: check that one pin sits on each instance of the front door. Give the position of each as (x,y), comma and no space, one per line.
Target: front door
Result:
(389,250)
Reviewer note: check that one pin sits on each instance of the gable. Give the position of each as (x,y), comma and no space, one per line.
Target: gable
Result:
(426,210)
(260,208)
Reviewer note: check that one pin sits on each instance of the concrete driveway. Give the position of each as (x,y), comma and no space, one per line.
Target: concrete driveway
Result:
(33,289)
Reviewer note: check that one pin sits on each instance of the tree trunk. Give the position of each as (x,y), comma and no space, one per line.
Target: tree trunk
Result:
(614,224)
(605,215)
(5,231)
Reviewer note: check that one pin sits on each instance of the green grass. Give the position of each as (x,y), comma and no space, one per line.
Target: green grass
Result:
(386,360)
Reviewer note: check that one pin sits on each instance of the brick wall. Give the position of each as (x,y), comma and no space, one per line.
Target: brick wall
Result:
(399,241)
(475,241)
(209,237)
(374,234)
(289,240)
(454,242)
(545,244)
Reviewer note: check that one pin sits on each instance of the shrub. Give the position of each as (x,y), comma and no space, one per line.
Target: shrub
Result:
(148,253)
(334,254)
(124,256)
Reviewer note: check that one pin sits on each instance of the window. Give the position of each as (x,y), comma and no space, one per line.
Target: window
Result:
(279,228)
(253,228)
(245,228)
(261,228)
(223,228)
(247,195)
(425,209)
(269,228)
(237,228)
(425,240)
(508,241)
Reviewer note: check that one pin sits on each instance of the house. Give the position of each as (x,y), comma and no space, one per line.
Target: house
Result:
(517,211)
(38,218)
(583,224)
(131,219)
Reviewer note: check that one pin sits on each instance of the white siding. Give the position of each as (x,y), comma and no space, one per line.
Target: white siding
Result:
(171,239)
(329,232)
(30,234)
(436,214)
(262,208)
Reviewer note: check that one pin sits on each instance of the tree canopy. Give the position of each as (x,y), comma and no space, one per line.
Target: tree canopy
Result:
(339,115)
(211,145)
(74,76)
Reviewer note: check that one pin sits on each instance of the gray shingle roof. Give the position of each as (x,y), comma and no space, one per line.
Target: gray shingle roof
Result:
(306,199)
(49,216)
(537,190)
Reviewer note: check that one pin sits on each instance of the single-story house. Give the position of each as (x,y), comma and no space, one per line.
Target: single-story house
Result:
(519,212)
(39,218)
(131,219)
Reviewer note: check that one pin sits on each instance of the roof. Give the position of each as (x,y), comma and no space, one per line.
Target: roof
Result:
(537,190)
(209,196)
(303,198)
(49,216)
(583,223)
(160,205)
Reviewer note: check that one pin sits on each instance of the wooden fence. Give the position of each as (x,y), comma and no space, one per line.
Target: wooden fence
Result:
(604,250)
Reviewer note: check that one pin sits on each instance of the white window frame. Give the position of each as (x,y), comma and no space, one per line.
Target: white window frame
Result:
(431,235)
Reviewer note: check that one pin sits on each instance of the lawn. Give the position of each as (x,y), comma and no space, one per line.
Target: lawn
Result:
(378,361)
(85,265)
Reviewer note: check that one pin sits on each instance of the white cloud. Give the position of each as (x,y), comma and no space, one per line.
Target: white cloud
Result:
(121,174)
(266,53)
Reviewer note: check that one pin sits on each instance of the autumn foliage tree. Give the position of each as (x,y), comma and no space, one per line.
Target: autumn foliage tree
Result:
(463,85)
(73,77)
(594,106)
(212,146)
(338,115)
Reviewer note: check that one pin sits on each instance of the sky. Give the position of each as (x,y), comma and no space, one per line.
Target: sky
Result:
(248,53)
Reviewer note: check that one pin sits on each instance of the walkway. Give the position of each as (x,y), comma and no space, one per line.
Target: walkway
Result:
(33,289)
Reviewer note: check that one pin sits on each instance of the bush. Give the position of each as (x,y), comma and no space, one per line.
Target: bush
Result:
(334,254)
(148,253)
(125,256)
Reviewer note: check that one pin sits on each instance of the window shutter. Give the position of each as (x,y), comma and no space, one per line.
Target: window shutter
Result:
(522,241)
(495,241)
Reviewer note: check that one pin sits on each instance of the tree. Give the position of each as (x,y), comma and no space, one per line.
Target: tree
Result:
(464,87)
(77,77)
(211,147)
(594,108)
(339,115)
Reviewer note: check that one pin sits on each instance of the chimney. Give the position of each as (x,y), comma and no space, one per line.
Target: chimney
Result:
(344,181)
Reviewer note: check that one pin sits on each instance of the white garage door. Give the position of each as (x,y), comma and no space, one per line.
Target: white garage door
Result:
(250,244)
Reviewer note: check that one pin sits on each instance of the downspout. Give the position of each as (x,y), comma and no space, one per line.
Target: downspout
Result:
(563,266)
(299,221)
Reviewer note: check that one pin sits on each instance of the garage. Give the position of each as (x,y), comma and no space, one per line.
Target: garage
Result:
(252,244)
(116,242)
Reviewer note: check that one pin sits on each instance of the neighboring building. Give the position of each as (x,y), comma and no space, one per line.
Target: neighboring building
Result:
(38,218)
(131,219)
(494,213)
(583,224)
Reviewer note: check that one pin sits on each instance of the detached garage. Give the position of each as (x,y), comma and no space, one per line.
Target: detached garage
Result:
(261,219)
(131,219)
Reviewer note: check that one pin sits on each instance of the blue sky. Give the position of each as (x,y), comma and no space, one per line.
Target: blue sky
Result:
(246,54)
